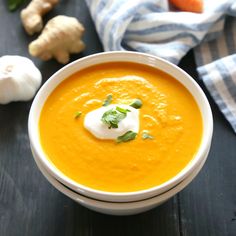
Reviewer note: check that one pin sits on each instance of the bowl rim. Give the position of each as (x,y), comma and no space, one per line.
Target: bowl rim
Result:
(119,207)
(40,165)
(116,56)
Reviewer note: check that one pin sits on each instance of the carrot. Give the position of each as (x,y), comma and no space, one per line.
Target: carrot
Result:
(188,5)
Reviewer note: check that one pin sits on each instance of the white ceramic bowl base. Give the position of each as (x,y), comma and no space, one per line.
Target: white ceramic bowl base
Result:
(145,59)
(115,208)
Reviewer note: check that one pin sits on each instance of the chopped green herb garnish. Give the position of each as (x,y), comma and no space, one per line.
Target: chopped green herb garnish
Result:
(113,116)
(137,103)
(122,110)
(78,114)
(146,135)
(108,100)
(130,135)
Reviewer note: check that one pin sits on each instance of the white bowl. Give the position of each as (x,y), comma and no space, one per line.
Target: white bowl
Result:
(142,58)
(120,208)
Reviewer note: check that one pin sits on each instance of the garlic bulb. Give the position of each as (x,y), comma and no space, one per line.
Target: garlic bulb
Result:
(19,79)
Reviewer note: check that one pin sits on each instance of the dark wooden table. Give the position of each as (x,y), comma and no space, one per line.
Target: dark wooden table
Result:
(29,205)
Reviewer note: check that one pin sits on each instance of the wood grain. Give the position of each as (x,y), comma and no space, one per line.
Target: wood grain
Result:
(208,205)
(29,205)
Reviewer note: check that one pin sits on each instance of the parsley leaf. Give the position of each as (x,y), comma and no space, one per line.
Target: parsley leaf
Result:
(130,135)
(137,103)
(108,100)
(122,110)
(113,116)
(146,135)
(78,114)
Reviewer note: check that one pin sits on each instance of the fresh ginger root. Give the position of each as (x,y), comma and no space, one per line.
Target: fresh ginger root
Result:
(60,37)
(31,16)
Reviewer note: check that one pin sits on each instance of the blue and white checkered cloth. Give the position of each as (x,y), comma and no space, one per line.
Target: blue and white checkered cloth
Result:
(150,26)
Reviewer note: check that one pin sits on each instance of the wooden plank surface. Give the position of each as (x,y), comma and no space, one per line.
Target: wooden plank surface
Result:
(213,194)
(29,205)
(208,205)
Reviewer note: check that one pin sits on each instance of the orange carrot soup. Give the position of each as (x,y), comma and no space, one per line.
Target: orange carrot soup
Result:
(169,135)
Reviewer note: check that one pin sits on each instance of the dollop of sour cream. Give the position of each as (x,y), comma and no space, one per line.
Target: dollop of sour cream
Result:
(94,124)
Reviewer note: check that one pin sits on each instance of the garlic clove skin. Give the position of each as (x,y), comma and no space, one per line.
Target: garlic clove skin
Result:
(19,79)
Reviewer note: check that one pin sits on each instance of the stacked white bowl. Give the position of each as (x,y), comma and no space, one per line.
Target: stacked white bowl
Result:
(120,203)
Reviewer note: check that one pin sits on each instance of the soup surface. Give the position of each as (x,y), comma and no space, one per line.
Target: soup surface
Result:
(169,115)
